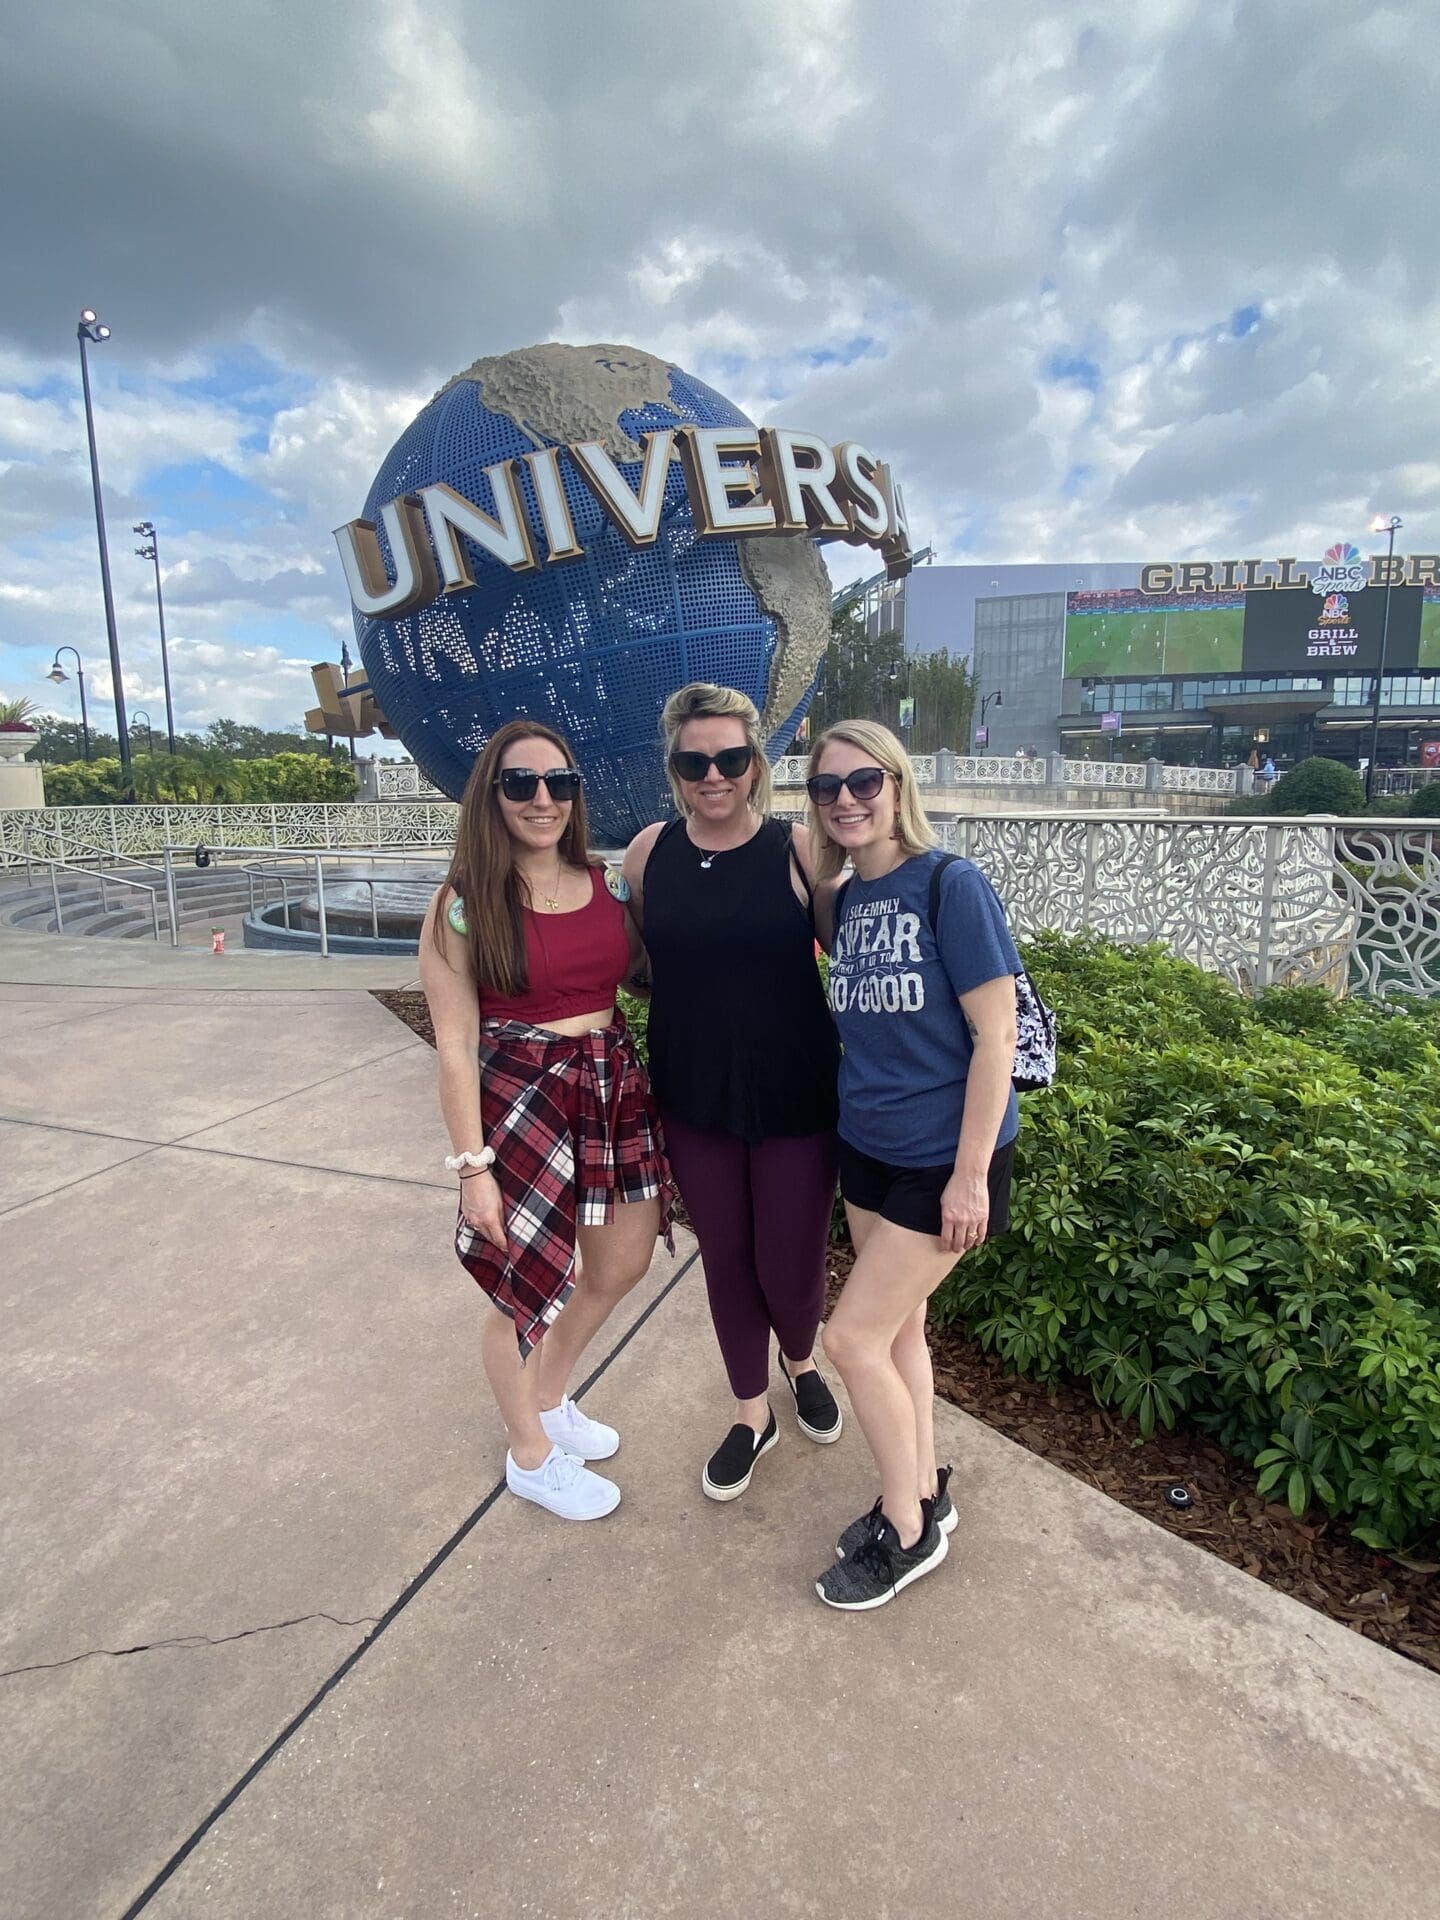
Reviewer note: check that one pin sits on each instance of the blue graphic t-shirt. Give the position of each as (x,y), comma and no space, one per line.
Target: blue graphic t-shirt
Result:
(896,1003)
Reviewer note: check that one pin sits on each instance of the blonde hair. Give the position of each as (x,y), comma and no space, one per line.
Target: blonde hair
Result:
(912,829)
(703,701)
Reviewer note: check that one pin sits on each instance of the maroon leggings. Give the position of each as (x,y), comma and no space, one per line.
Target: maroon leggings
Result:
(762,1217)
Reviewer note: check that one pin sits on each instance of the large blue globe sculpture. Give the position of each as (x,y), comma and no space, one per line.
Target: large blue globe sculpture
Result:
(594,645)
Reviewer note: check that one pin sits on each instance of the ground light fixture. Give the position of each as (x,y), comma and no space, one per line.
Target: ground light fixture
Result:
(1390,525)
(91,331)
(58,676)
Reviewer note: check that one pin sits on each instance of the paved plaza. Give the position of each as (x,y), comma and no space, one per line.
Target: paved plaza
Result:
(275,1644)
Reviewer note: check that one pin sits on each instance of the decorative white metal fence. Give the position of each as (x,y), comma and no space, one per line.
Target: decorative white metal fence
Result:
(945,769)
(995,770)
(1352,904)
(403,780)
(789,770)
(148,829)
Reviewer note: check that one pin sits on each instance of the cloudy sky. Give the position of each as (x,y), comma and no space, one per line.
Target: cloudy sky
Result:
(1103,281)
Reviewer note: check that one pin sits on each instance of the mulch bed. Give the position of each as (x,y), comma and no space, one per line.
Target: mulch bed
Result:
(1373,1594)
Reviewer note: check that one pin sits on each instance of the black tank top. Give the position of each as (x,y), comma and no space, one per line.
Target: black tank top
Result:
(741,1040)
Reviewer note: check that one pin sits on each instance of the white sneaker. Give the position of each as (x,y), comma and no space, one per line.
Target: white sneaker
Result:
(564,1485)
(577,1433)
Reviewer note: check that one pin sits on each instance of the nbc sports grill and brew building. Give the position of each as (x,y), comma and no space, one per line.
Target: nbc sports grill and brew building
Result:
(1193,662)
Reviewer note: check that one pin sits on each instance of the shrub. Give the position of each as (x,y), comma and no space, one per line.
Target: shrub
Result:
(1231,1212)
(203,776)
(1316,785)
(84,783)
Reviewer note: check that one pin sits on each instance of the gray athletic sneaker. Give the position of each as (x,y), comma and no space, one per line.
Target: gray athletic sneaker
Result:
(946,1518)
(880,1568)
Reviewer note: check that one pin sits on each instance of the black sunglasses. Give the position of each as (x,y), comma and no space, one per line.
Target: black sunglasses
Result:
(520,783)
(729,763)
(863,784)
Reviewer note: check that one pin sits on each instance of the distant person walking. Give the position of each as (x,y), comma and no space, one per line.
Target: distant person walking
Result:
(1268,771)
(743,1056)
(556,1135)
(922,983)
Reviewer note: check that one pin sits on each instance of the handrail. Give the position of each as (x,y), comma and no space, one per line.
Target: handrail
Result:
(118,879)
(281,867)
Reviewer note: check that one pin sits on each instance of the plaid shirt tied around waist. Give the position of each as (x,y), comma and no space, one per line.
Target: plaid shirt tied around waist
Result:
(575,1129)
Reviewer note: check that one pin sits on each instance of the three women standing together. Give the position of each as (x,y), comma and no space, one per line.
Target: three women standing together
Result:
(561,1145)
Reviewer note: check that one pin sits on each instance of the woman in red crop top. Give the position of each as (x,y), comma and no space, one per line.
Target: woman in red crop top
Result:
(555,1130)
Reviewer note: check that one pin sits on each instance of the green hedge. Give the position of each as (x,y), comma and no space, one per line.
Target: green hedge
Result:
(202,777)
(1230,1211)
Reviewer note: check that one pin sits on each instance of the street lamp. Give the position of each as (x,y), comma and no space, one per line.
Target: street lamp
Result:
(91,330)
(988,700)
(58,674)
(1391,527)
(135,719)
(345,688)
(151,551)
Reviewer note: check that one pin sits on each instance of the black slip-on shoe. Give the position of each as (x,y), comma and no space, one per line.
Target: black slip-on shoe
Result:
(815,1406)
(880,1568)
(728,1470)
(942,1506)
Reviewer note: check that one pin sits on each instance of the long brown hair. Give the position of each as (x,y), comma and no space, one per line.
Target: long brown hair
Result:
(482,868)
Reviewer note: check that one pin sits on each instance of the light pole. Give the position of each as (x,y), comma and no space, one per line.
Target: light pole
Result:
(988,700)
(58,674)
(151,551)
(135,719)
(90,329)
(1391,526)
(345,688)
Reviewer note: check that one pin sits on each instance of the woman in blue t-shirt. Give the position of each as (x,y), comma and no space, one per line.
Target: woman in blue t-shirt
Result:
(922,986)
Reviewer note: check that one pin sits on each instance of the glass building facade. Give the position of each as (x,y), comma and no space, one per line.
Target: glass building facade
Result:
(1011,621)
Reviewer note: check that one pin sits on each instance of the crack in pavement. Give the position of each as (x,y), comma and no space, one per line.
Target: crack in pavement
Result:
(187,1640)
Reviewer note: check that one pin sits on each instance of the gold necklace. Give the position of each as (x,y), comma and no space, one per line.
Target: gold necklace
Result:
(552,901)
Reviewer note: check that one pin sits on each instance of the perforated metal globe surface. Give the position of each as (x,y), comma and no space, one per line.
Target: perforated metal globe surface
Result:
(593,645)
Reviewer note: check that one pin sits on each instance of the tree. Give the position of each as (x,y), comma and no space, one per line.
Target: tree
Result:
(244,742)
(866,677)
(62,741)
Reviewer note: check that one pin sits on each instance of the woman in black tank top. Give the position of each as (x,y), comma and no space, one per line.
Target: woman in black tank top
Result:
(743,1059)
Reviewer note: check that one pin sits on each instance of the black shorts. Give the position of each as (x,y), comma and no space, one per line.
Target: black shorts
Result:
(910,1196)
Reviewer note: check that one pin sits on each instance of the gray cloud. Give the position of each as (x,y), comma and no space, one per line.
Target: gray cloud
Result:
(377,193)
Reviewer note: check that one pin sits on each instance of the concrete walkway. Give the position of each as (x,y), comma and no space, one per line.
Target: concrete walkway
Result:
(275,1643)
(93,960)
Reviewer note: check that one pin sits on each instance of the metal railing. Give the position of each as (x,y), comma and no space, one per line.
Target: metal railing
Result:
(57,867)
(1352,904)
(270,826)
(256,867)
(1404,779)
(266,874)
(946,769)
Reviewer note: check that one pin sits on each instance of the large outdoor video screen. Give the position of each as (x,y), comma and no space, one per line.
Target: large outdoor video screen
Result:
(1125,633)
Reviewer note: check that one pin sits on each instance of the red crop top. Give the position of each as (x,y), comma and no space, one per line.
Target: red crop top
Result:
(576,962)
